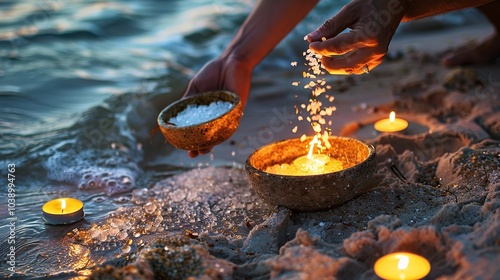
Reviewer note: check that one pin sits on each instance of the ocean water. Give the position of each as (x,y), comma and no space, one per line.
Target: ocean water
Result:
(81,82)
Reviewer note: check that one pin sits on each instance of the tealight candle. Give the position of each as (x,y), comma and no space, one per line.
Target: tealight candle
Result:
(310,164)
(314,162)
(402,265)
(392,124)
(63,211)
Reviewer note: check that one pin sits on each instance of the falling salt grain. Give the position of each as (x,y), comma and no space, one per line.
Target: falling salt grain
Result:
(295,83)
(294,130)
(196,114)
(316,127)
(126,249)
(303,138)
(294,63)
(323,39)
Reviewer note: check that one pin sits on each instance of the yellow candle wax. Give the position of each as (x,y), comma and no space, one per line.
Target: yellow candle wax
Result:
(402,265)
(392,124)
(314,162)
(310,164)
(63,211)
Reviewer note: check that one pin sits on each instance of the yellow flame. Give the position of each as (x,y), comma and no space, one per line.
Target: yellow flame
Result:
(392,116)
(311,146)
(63,205)
(403,262)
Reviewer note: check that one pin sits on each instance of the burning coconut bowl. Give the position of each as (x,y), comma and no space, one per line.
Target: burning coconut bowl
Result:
(203,135)
(312,192)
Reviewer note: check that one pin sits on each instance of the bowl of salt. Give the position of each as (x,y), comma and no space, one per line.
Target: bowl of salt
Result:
(201,121)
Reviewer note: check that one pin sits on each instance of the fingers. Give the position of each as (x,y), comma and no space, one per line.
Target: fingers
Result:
(193,154)
(333,26)
(342,44)
(353,63)
(192,88)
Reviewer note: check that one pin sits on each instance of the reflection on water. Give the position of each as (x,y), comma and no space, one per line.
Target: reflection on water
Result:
(57,60)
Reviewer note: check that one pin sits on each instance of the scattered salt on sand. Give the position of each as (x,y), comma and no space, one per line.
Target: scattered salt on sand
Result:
(196,114)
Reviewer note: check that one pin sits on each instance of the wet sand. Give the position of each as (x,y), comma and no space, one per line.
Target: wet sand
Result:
(436,189)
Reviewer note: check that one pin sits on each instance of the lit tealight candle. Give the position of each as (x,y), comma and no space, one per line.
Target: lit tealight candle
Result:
(402,266)
(63,211)
(313,163)
(392,124)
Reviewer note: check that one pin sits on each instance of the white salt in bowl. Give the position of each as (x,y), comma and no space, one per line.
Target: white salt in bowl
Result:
(204,134)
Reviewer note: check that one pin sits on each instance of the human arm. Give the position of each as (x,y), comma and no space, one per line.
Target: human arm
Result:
(427,8)
(372,24)
(268,23)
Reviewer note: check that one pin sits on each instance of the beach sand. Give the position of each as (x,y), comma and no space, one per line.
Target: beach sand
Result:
(443,204)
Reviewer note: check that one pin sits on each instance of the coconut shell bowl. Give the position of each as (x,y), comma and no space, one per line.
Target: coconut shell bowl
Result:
(203,135)
(316,192)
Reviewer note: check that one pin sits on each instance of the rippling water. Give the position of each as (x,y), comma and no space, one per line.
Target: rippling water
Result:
(59,62)
(77,79)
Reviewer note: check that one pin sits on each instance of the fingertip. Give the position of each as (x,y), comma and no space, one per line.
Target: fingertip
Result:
(315,46)
(190,91)
(313,36)
(192,154)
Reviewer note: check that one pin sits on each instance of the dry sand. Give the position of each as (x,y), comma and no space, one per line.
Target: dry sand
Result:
(443,203)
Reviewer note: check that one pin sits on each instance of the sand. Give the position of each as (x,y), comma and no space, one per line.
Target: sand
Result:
(436,194)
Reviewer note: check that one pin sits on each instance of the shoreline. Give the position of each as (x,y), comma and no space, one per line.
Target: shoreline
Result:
(435,192)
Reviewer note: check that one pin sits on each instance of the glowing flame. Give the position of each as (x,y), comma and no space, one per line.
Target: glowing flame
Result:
(311,146)
(403,262)
(63,205)
(392,116)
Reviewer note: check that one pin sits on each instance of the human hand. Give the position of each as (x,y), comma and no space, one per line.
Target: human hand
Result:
(372,25)
(223,73)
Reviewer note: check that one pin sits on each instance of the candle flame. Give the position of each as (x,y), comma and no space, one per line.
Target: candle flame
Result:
(403,262)
(311,146)
(392,116)
(63,205)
